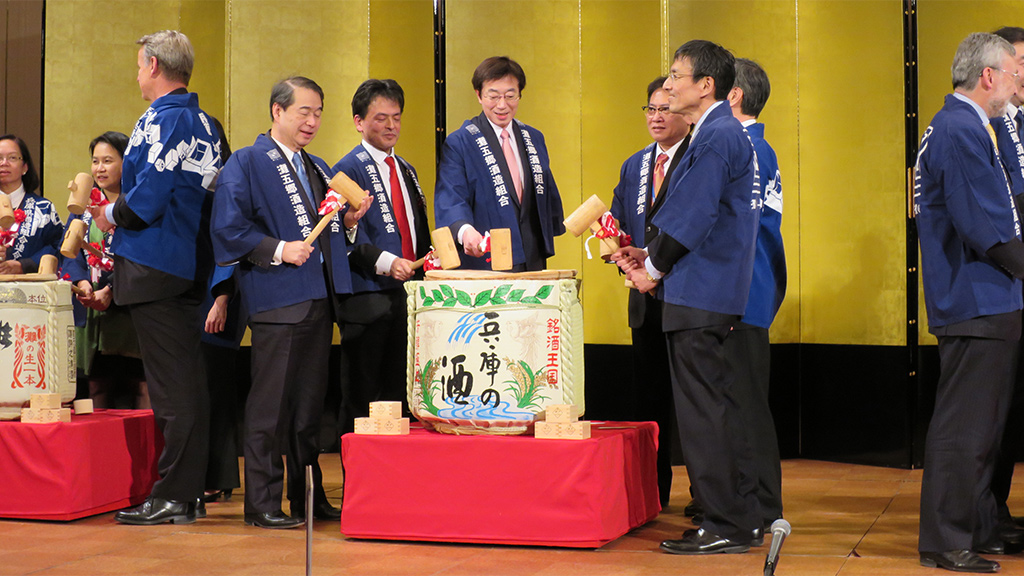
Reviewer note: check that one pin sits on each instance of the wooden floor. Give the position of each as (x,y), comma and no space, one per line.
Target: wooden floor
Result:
(847,520)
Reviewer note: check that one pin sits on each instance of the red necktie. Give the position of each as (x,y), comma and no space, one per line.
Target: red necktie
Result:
(513,166)
(659,175)
(398,207)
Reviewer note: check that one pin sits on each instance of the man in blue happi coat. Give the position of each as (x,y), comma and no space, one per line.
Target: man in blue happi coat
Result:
(162,263)
(971,261)
(1009,131)
(701,263)
(388,239)
(748,348)
(266,204)
(495,173)
(641,191)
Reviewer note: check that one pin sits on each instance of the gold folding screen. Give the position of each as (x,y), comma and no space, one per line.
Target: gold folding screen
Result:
(835,116)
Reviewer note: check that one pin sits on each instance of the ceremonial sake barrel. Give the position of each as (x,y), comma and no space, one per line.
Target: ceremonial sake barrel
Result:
(489,351)
(37,341)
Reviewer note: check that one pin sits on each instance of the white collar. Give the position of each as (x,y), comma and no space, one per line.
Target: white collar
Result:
(696,127)
(378,155)
(17,196)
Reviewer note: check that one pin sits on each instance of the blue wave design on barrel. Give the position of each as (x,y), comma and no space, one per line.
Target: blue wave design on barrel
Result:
(475,410)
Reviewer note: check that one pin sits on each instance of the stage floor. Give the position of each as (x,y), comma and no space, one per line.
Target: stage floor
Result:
(847,520)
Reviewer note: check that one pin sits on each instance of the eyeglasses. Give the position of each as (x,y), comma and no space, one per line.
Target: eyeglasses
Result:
(652,110)
(494,98)
(677,77)
(12,159)
(1015,75)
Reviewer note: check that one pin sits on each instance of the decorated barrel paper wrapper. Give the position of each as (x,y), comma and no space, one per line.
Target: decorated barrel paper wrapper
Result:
(486,356)
(37,344)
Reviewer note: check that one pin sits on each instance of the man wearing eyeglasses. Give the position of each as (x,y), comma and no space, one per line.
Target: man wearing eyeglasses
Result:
(1008,131)
(972,259)
(701,262)
(495,173)
(643,182)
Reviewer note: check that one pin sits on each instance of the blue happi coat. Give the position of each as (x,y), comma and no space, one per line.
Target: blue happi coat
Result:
(474,187)
(963,207)
(631,199)
(377,226)
(40,233)
(256,199)
(712,208)
(171,163)
(768,283)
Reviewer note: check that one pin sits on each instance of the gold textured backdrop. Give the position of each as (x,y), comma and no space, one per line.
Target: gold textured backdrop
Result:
(835,117)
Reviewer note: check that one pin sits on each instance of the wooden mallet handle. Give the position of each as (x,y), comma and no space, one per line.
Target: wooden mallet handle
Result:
(6,212)
(352,194)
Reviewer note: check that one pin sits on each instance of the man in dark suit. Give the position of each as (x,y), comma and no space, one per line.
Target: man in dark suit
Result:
(495,173)
(162,265)
(971,261)
(266,204)
(388,239)
(643,182)
(701,262)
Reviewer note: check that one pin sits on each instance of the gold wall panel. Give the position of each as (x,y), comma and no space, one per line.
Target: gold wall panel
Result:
(268,40)
(402,48)
(941,27)
(90,74)
(774,47)
(852,203)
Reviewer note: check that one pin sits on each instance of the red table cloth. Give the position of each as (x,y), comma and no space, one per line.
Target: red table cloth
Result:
(96,463)
(501,489)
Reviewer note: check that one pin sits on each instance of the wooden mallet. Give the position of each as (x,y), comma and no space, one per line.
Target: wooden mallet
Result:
(352,194)
(81,189)
(501,249)
(74,240)
(444,247)
(587,217)
(6,212)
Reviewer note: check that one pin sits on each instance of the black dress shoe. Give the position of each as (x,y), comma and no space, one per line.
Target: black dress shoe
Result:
(999,547)
(273,520)
(214,495)
(702,542)
(200,508)
(321,511)
(757,537)
(1011,534)
(158,511)
(958,561)
(693,508)
(697,519)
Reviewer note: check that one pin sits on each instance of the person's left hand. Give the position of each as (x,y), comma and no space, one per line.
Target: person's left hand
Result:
(218,315)
(102,298)
(11,267)
(638,276)
(99,216)
(353,214)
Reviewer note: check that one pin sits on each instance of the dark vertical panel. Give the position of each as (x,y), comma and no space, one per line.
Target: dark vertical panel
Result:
(3,65)
(440,86)
(24,74)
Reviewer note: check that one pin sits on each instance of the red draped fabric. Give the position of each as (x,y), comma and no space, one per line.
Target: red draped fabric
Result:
(501,489)
(96,463)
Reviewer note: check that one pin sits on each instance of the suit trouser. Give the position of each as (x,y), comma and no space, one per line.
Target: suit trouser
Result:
(749,354)
(1010,447)
(373,359)
(651,398)
(169,339)
(958,509)
(717,455)
(283,410)
(222,469)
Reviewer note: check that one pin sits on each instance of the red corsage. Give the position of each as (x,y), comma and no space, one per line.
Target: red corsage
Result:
(19,215)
